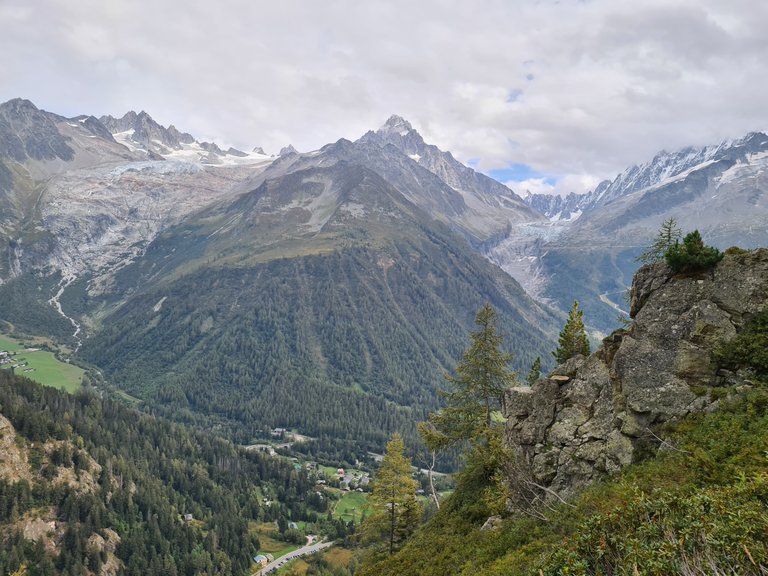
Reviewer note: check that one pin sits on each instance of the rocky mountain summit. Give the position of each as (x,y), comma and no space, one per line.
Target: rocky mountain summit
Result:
(664,168)
(77,199)
(146,132)
(141,134)
(481,208)
(29,133)
(593,416)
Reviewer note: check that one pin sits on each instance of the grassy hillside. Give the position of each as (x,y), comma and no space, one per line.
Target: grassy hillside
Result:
(699,507)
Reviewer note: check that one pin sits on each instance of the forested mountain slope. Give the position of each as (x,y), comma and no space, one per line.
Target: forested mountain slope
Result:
(88,486)
(322,299)
(327,290)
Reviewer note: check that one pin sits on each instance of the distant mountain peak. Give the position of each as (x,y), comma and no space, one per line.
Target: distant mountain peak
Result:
(288,150)
(28,132)
(17,104)
(398,124)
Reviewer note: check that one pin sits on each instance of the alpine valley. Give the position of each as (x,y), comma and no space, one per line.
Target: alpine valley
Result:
(326,291)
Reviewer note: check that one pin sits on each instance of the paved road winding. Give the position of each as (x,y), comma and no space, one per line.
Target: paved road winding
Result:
(304,550)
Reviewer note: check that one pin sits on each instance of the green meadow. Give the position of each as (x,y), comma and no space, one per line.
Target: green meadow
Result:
(351,506)
(42,366)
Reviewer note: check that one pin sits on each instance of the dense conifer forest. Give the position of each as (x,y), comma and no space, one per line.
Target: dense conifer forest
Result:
(333,345)
(132,478)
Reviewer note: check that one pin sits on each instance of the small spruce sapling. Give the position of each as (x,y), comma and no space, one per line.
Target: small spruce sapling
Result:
(534,373)
(573,338)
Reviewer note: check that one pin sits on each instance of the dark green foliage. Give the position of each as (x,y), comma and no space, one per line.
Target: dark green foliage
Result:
(699,509)
(24,303)
(334,345)
(692,255)
(573,338)
(467,421)
(749,349)
(475,393)
(152,472)
(534,373)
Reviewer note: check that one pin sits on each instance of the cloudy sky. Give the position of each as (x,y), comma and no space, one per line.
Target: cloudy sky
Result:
(546,95)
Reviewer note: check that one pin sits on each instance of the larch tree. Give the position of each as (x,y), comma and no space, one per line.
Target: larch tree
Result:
(573,338)
(395,511)
(476,391)
(474,397)
(667,236)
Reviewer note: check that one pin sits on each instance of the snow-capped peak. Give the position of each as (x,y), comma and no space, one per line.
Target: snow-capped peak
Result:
(397,124)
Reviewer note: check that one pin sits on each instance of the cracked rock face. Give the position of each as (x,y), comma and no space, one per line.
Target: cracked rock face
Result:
(593,416)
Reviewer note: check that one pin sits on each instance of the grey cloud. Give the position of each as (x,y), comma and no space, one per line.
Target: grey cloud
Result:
(602,84)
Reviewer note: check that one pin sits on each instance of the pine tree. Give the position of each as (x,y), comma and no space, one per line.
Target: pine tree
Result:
(573,338)
(395,510)
(535,372)
(668,235)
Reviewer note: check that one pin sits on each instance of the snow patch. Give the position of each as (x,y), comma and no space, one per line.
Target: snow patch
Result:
(755,163)
(194,153)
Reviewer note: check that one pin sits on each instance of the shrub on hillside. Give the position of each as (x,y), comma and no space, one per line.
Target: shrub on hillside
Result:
(692,255)
(749,349)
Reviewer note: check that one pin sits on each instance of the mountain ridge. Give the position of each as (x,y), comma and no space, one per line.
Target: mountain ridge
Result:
(662,168)
(588,247)
(324,276)
(115,224)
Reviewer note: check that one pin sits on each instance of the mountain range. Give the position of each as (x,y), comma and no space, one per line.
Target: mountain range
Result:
(587,251)
(327,290)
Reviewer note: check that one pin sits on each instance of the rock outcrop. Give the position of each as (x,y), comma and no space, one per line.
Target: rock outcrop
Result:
(593,416)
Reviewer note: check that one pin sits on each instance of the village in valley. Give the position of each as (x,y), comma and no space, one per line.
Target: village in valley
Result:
(343,479)
(9,361)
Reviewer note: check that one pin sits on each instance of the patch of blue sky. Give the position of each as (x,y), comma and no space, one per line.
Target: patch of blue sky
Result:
(520,173)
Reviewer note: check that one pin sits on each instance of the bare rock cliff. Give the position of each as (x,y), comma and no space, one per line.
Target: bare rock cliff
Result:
(593,416)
